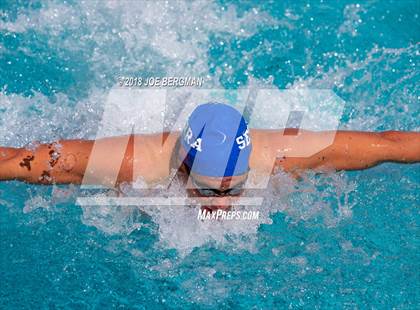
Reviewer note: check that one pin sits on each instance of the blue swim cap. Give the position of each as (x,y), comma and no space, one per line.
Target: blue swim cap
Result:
(216,140)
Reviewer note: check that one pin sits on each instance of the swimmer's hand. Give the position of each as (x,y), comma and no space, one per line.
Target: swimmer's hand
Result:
(351,150)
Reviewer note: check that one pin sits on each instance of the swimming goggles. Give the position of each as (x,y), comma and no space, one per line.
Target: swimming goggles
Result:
(203,189)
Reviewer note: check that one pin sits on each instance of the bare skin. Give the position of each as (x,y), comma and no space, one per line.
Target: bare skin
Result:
(66,161)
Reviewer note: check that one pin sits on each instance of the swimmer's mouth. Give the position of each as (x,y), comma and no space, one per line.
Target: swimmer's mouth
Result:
(214,208)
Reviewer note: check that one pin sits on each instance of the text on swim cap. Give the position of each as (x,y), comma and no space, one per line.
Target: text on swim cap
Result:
(196,144)
(244,140)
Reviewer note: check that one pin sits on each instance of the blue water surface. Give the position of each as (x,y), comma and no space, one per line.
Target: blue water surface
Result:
(350,243)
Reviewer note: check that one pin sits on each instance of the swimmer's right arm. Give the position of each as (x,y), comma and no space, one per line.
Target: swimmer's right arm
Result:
(59,162)
(67,161)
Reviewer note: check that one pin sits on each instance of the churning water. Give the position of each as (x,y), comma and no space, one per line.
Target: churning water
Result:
(339,240)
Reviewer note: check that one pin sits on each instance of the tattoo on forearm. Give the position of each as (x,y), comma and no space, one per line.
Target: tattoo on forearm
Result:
(68,162)
(54,157)
(65,162)
(26,162)
(45,177)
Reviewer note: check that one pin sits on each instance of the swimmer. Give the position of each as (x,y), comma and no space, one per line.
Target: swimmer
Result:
(212,155)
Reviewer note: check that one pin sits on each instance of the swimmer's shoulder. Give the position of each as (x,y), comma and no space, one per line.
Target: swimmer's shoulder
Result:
(152,153)
(262,149)
(269,146)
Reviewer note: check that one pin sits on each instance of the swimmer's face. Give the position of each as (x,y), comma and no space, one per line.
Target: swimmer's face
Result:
(221,192)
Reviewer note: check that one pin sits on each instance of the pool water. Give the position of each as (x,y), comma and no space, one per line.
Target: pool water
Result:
(340,240)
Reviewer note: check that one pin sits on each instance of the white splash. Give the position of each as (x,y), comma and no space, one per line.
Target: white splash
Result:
(367,75)
(164,37)
(173,38)
(179,228)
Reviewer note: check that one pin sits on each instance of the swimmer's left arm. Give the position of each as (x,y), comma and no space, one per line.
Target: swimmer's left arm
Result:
(355,150)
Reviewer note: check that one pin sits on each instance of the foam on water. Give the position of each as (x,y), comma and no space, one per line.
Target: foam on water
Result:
(352,19)
(174,38)
(351,80)
(163,38)
(44,119)
(324,197)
